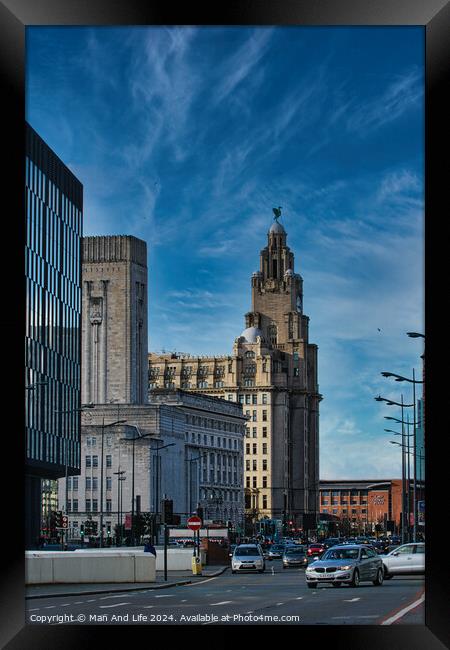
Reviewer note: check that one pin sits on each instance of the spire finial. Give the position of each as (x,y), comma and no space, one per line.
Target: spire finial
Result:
(277,213)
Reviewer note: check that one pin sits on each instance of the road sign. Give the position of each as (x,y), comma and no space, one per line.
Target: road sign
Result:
(194,522)
(65,521)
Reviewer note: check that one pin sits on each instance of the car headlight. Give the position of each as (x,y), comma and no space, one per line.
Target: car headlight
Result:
(347,567)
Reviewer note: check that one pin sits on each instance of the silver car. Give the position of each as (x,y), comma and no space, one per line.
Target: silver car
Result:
(408,559)
(346,564)
(294,556)
(247,557)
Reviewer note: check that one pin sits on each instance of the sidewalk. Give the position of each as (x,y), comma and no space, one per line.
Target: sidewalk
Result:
(174,578)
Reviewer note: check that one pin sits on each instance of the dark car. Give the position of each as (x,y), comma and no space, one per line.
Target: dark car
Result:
(346,564)
(275,551)
(330,541)
(294,556)
(315,550)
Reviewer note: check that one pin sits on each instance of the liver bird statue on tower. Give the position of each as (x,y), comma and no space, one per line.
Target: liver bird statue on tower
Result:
(277,213)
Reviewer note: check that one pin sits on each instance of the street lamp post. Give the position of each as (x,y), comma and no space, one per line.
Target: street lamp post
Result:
(158,449)
(104,426)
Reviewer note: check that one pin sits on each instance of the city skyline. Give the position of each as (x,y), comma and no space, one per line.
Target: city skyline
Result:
(197,133)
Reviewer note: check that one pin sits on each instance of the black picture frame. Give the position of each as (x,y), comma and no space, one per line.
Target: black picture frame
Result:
(434,16)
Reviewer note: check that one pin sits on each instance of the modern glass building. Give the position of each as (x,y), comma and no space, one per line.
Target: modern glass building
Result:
(54,217)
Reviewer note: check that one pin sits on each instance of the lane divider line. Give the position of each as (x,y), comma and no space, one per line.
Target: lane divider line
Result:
(404,611)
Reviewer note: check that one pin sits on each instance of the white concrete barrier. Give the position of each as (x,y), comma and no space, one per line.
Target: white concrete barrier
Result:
(48,567)
(178,559)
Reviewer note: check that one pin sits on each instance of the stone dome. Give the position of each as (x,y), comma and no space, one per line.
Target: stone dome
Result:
(277,228)
(251,333)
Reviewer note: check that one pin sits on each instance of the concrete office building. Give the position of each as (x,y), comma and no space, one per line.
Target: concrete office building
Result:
(54,220)
(272,372)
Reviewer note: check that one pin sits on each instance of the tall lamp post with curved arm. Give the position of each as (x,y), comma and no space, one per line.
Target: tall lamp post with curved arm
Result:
(413,381)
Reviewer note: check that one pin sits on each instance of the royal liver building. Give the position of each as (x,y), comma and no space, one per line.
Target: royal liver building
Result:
(272,372)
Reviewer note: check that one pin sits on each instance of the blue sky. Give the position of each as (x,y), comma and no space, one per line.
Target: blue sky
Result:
(187,137)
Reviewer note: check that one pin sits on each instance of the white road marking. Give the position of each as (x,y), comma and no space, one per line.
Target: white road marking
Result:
(50,607)
(299,598)
(34,609)
(92,600)
(164,596)
(201,582)
(351,600)
(78,602)
(115,605)
(106,597)
(184,600)
(223,602)
(280,604)
(404,611)
(66,605)
(147,606)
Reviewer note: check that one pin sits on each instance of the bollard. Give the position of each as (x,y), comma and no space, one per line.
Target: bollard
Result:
(196,566)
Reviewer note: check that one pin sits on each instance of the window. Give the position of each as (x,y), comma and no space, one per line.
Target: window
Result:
(254,448)
(241,399)
(69,482)
(94,483)
(264,481)
(254,416)
(94,461)
(254,482)
(264,448)
(108,505)
(264,465)
(230,398)
(247,465)
(264,502)
(75,507)
(264,432)
(254,398)
(247,448)
(88,505)
(108,482)
(247,398)
(108,441)
(264,416)
(94,505)
(88,482)
(247,481)
(108,461)
(69,505)
(88,461)
(254,432)
(74,483)
(255,465)
(264,398)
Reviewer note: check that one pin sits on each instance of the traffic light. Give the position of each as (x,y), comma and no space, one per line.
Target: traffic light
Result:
(94,528)
(167,511)
(108,530)
(200,512)
(82,531)
(58,519)
(52,520)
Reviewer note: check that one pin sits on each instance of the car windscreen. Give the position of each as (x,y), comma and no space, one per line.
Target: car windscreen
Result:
(341,554)
(246,551)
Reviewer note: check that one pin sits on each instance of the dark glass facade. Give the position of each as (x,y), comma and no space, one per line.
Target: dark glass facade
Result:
(54,206)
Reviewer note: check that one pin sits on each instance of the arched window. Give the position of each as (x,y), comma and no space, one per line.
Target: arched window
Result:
(273,334)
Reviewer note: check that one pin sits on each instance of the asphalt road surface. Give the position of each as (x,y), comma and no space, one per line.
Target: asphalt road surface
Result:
(275,597)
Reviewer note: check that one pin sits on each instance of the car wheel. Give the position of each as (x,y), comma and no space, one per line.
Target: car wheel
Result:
(355,580)
(387,575)
(312,585)
(379,579)
(336,584)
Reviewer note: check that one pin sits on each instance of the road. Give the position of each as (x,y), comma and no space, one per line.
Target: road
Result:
(242,599)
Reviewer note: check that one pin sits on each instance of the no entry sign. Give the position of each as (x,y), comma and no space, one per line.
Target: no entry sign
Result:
(194,522)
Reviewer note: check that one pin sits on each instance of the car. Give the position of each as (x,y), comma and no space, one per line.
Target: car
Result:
(294,556)
(346,564)
(247,557)
(330,541)
(407,559)
(275,551)
(315,550)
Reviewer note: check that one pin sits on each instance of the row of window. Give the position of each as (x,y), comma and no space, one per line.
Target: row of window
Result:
(253,465)
(251,502)
(91,505)
(252,398)
(220,477)
(225,495)
(254,481)
(209,423)
(92,461)
(254,415)
(254,432)
(254,448)
(344,500)
(221,442)
(91,441)
(344,511)
(91,483)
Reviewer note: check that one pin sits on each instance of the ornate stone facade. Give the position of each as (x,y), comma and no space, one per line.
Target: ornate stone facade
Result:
(272,372)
